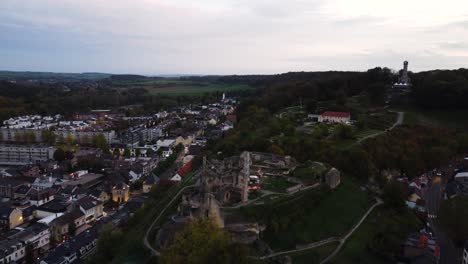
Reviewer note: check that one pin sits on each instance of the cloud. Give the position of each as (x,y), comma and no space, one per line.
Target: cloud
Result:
(230,36)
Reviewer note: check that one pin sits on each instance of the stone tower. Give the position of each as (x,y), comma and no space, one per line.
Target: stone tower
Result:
(404,75)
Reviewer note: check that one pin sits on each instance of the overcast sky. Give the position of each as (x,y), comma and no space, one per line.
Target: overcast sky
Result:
(231,36)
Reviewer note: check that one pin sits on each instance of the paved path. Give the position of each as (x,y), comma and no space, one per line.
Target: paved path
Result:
(341,240)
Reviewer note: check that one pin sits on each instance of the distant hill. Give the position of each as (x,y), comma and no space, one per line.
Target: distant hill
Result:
(51,76)
(127,77)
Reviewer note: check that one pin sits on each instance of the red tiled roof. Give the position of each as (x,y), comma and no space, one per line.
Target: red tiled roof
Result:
(336,114)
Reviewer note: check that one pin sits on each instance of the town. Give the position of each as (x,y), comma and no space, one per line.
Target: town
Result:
(65,180)
(233,132)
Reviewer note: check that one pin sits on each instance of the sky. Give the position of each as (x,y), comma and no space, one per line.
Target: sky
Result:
(231,36)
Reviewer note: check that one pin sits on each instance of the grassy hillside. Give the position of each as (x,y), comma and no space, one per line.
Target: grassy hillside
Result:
(366,245)
(311,215)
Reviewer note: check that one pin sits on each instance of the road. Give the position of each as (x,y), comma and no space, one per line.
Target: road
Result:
(448,251)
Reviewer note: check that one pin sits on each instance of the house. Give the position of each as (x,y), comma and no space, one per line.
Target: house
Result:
(70,192)
(31,171)
(10,217)
(37,235)
(176,178)
(134,176)
(420,246)
(465,254)
(29,213)
(52,207)
(9,185)
(232,118)
(41,197)
(43,183)
(12,251)
(22,192)
(78,248)
(462,178)
(149,183)
(335,117)
(167,143)
(165,151)
(120,193)
(91,207)
(60,227)
(195,150)
(100,195)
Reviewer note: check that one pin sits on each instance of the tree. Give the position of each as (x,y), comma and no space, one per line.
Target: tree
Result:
(59,155)
(344,132)
(203,242)
(70,139)
(137,185)
(19,136)
(106,247)
(127,153)
(394,195)
(159,152)
(72,229)
(116,152)
(454,218)
(179,148)
(99,141)
(48,136)
(149,152)
(137,152)
(30,137)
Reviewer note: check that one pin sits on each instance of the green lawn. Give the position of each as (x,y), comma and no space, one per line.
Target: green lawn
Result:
(313,256)
(393,226)
(277,184)
(311,215)
(312,174)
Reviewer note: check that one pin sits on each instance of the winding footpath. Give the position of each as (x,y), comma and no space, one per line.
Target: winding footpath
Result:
(398,122)
(146,242)
(341,240)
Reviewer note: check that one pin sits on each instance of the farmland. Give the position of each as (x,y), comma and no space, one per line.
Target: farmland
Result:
(177,87)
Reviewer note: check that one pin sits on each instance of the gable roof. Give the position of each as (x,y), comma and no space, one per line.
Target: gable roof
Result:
(336,114)
(88,202)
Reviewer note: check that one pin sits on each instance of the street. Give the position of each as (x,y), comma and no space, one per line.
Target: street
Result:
(434,196)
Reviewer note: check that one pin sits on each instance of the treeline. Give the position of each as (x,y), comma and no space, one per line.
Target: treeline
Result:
(446,89)
(45,98)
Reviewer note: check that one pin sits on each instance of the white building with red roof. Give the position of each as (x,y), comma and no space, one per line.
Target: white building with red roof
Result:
(335,117)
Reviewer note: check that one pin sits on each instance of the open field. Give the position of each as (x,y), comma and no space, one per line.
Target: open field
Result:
(174,87)
(311,215)
(197,90)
